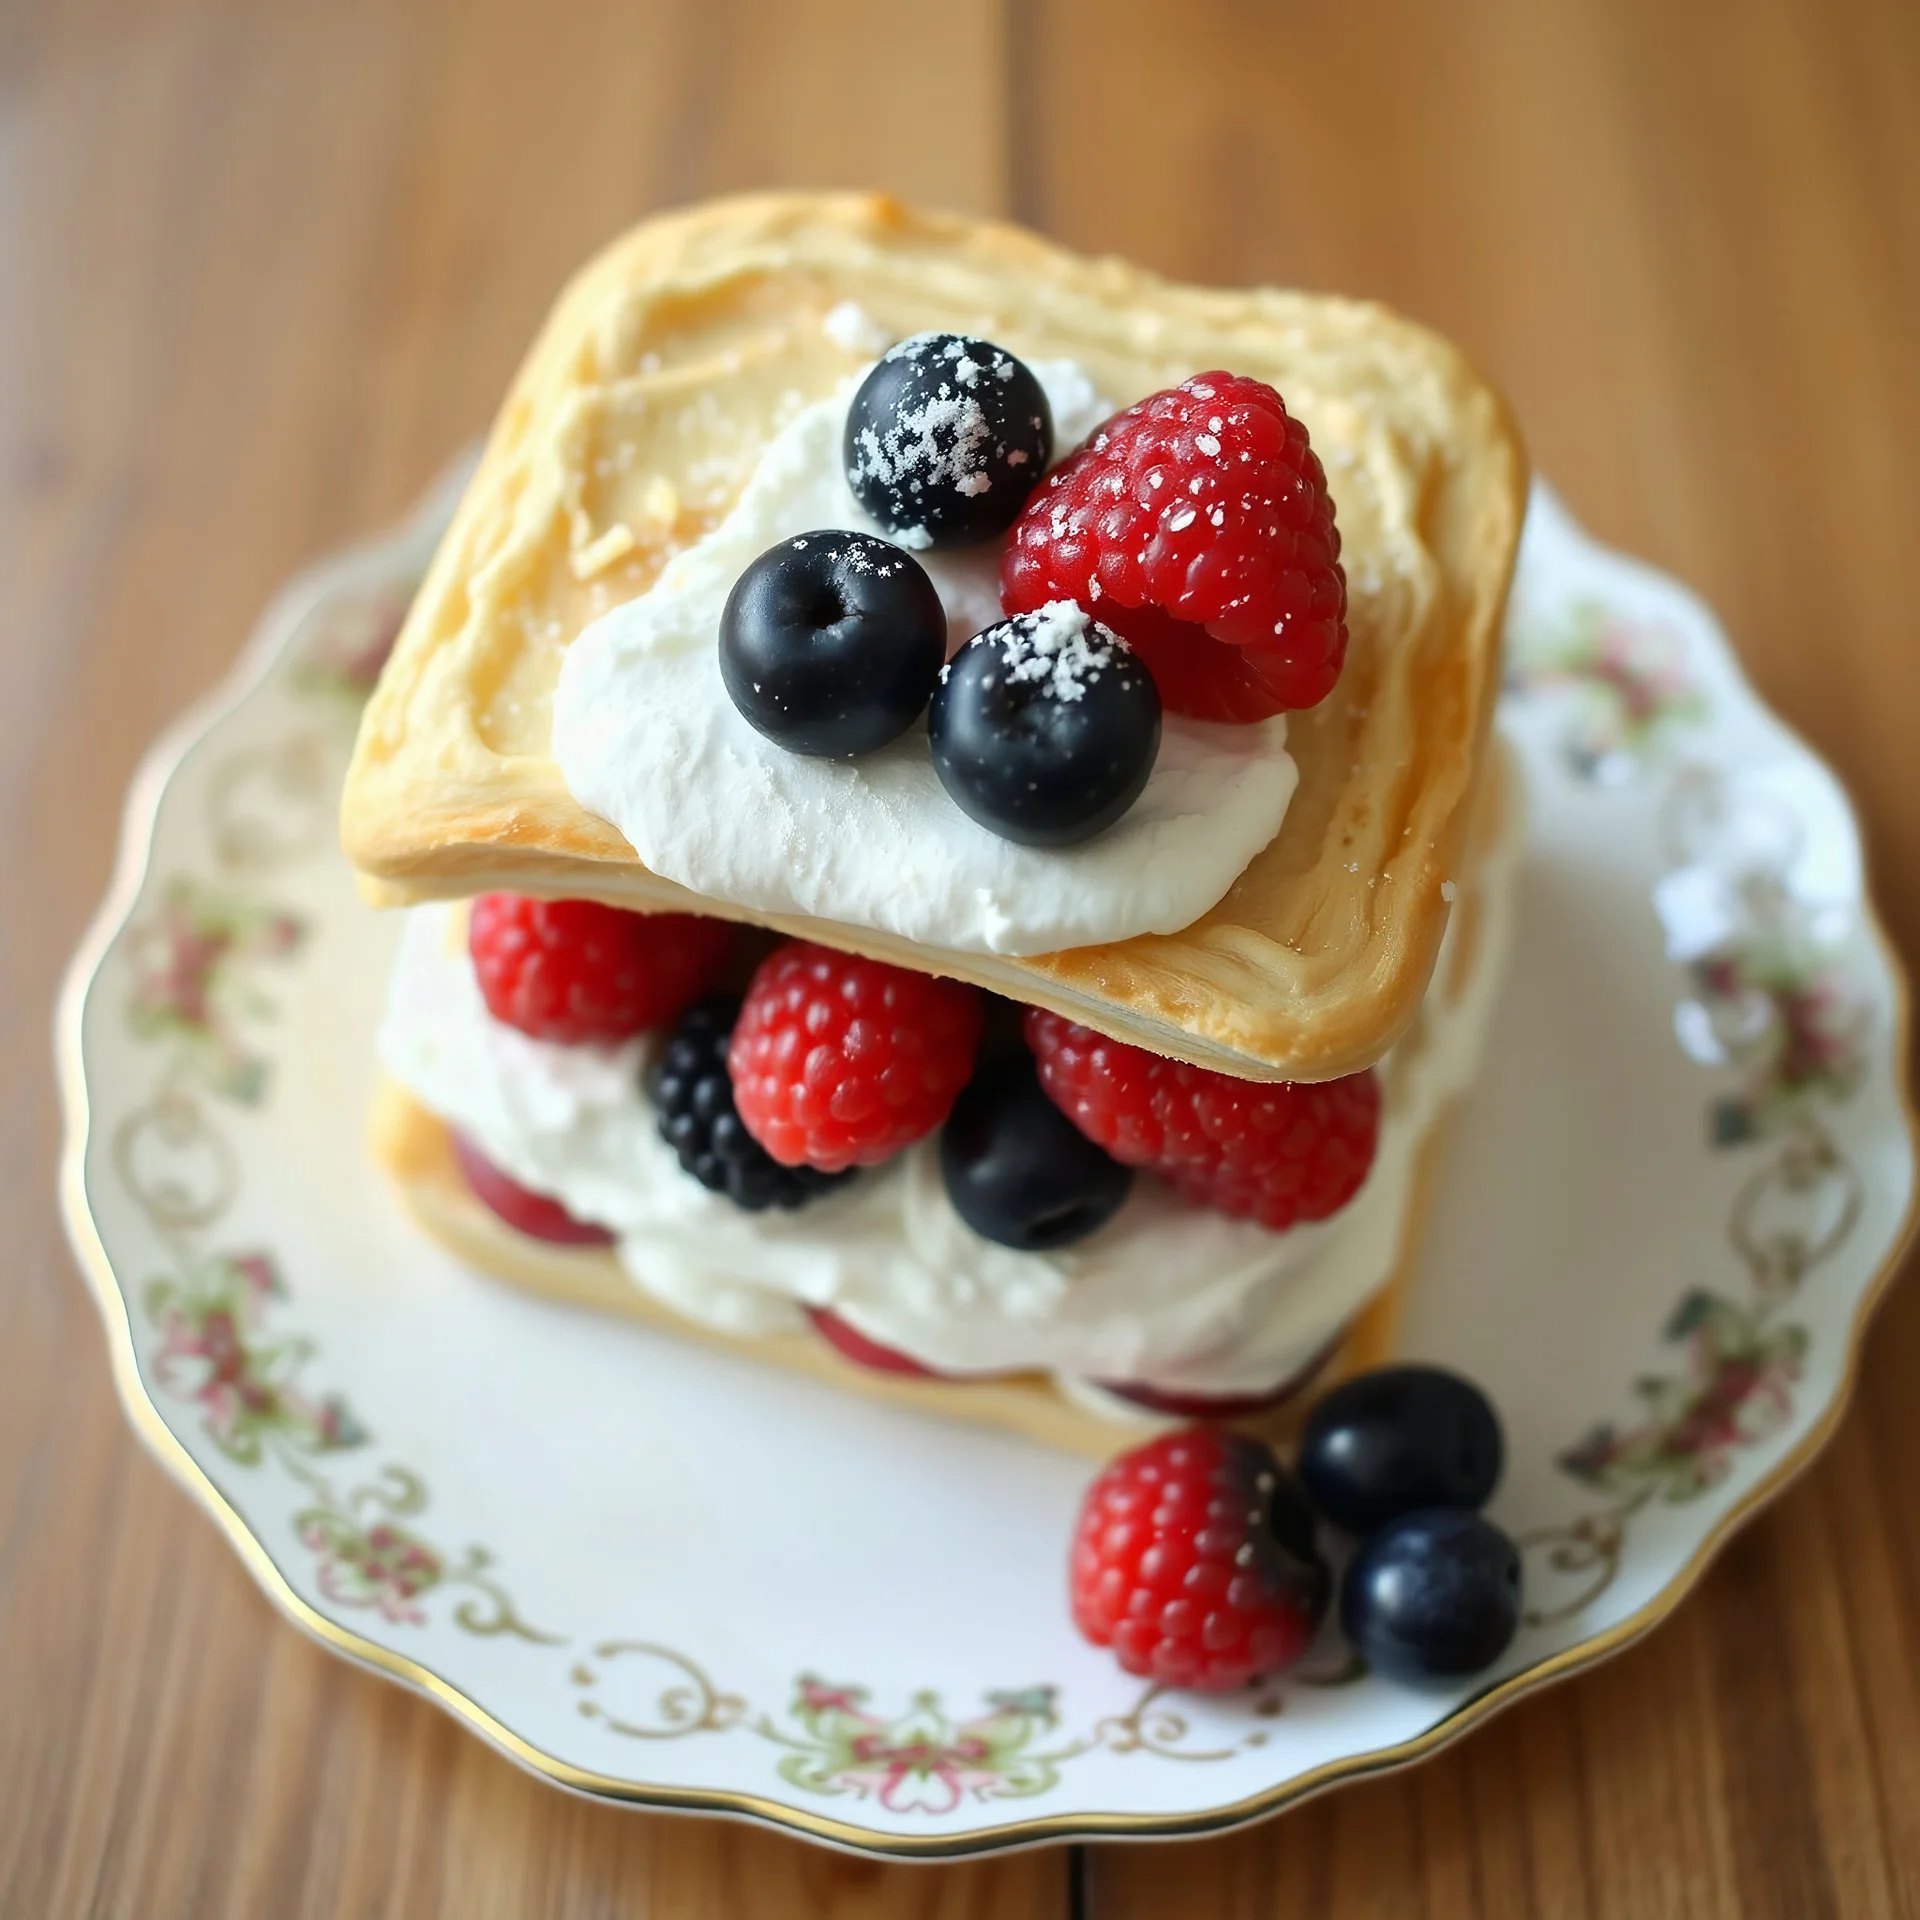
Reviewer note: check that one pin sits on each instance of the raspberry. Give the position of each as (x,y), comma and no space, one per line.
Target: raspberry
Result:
(851,1344)
(1197,525)
(537,1215)
(1273,1153)
(840,1062)
(573,970)
(1194,1560)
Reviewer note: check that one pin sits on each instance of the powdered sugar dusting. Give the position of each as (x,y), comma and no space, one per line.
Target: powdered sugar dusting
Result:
(1062,647)
(853,329)
(943,437)
(943,440)
(879,558)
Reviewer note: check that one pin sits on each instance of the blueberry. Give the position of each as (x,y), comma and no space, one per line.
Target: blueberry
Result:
(1018,1170)
(693,1101)
(946,438)
(1434,1595)
(830,643)
(1396,1439)
(1044,728)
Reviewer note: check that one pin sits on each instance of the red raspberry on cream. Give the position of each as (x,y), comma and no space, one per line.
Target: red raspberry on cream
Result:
(1197,525)
(1278,1153)
(841,1062)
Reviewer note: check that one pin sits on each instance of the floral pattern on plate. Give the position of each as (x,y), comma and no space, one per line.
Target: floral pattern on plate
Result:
(195,962)
(215,1348)
(1630,687)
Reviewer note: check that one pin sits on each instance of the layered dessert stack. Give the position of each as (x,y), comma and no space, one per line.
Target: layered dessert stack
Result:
(944,799)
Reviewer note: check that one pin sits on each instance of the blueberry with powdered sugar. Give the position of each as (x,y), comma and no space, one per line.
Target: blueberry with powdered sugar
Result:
(945,440)
(1044,728)
(830,642)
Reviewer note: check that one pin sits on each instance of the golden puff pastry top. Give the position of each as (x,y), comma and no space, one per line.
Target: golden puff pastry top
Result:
(674,356)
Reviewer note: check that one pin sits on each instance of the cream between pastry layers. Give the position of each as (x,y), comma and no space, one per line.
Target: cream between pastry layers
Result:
(1165,1295)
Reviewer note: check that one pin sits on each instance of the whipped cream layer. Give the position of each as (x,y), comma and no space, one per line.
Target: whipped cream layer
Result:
(645,735)
(1166,1294)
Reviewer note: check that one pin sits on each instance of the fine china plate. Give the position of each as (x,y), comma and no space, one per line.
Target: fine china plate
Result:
(659,1574)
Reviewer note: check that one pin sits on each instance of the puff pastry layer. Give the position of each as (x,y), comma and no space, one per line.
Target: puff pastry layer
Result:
(664,368)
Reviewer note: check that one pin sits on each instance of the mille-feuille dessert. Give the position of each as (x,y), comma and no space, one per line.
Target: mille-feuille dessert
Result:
(946,808)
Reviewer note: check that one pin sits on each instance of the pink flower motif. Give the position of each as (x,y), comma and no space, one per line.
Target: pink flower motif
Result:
(382,1566)
(188,961)
(258,1271)
(212,1350)
(921,1762)
(354,634)
(1783,1011)
(180,957)
(1642,673)
(817,1697)
(1742,1370)
(1629,681)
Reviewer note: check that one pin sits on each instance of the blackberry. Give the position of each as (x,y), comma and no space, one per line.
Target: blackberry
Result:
(694,1101)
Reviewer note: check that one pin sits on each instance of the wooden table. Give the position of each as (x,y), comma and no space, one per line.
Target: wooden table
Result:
(264,265)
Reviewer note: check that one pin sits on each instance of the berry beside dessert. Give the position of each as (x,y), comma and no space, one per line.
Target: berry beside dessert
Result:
(1198,1557)
(1195,1560)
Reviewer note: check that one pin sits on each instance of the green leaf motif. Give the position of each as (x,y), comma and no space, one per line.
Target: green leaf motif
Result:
(922,1760)
(1737,1390)
(1626,682)
(191,963)
(215,1349)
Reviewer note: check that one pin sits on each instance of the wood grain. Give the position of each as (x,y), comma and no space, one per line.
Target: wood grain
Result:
(264,266)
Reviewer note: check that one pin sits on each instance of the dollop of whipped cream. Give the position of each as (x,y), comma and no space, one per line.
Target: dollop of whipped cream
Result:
(1166,1293)
(645,736)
